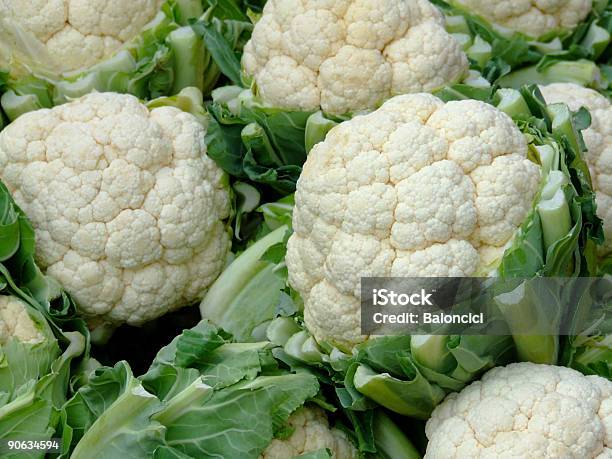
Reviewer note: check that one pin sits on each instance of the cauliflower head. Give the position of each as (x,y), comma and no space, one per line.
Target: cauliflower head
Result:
(598,139)
(533,18)
(525,410)
(311,432)
(15,322)
(128,209)
(417,188)
(349,55)
(80,33)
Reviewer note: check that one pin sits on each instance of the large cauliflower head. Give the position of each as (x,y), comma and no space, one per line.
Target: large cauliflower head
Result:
(79,33)
(416,188)
(525,410)
(533,18)
(598,139)
(311,432)
(15,322)
(349,55)
(128,209)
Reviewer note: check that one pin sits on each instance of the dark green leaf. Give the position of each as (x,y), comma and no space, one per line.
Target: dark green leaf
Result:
(221,51)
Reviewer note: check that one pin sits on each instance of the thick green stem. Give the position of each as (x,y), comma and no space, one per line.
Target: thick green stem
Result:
(463,39)
(457,24)
(189,9)
(552,46)
(532,317)
(67,90)
(391,440)
(246,293)
(511,102)
(303,347)
(553,209)
(596,40)
(416,397)
(189,56)
(480,51)
(15,105)
(549,158)
(563,124)
(225,94)
(317,127)
(555,216)
(255,137)
(432,352)
(281,330)
(582,72)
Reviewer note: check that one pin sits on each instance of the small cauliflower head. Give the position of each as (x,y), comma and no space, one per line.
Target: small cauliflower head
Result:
(417,188)
(311,432)
(79,33)
(525,410)
(16,323)
(128,209)
(533,18)
(598,139)
(348,55)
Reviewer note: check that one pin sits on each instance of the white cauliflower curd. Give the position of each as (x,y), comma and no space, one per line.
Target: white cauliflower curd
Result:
(525,411)
(311,432)
(598,140)
(533,18)
(79,33)
(348,55)
(15,322)
(417,188)
(128,209)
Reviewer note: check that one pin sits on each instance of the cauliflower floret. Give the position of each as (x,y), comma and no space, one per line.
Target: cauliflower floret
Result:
(345,56)
(128,209)
(533,18)
(15,322)
(79,33)
(416,188)
(598,139)
(525,410)
(311,432)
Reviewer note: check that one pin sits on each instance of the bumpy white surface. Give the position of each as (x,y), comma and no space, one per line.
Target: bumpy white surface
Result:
(15,322)
(598,139)
(531,17)
(79,33)
(416,188)
(525,410)
(127,207)
(349,55)
(311,433)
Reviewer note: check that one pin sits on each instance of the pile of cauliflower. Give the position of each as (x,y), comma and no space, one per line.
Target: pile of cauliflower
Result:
(129,211)
(344,56)
(133,218)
